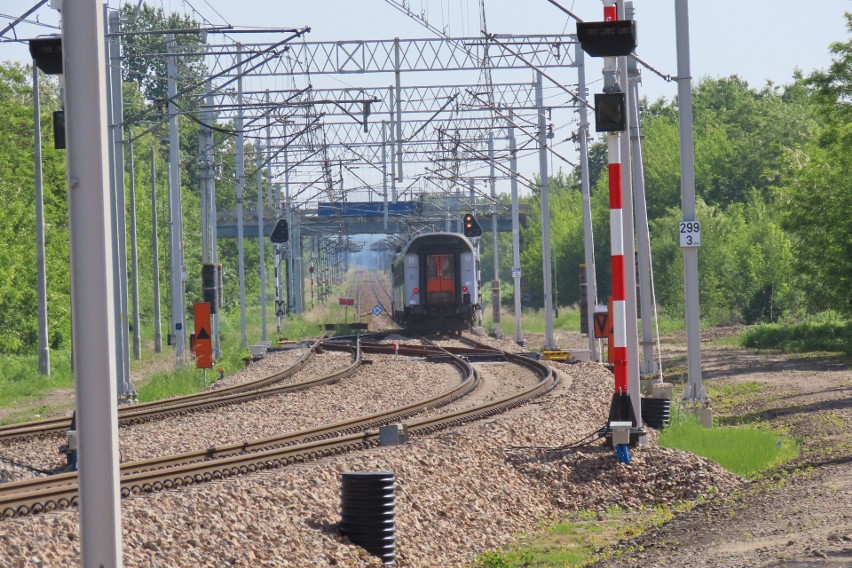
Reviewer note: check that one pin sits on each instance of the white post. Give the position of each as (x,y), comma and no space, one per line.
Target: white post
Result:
(261,239)
(92,308)
(176,219)
(648,364)
(125,388)
(385,173)
(547,273)
(516,239)
(41,283)
(694,390)
(240,158)
(630,304)
(134,254)
(495,283)
(155,252)
(588,234)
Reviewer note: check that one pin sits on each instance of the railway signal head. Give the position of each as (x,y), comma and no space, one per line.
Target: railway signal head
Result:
(280,233)
(471,226)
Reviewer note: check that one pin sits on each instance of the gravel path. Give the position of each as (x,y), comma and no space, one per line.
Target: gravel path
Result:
(460,492)
(398,380)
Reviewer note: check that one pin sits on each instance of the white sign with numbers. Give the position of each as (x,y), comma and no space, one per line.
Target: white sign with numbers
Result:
(516,272)
(689,233)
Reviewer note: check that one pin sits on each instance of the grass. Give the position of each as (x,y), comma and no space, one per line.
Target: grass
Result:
(21,383)
(576,541)
(532,321)
(745,450)
(815,336)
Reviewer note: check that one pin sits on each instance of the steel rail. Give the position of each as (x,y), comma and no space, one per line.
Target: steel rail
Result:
(133,414)
(59,491)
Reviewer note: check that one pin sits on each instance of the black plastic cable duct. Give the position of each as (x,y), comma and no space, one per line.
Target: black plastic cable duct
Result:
(656,412)
(367,515)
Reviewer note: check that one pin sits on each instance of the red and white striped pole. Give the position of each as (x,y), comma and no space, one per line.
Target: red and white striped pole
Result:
(616,237)
(621,409)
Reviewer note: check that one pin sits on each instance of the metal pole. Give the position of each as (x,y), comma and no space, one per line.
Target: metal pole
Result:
(549,343)
(92,303)
(178,275)
(240,157)
(125,389)
(41,270)
(628,235)
(476,247)
(648,363)
(393,138)
(495,283)
(695,390)
(204,174)
(398,75)
(385,172)
(291,281)
(261,239)
(158,335)
(588,234)
(134,253)
(269,187)
(516,241)
(211,187)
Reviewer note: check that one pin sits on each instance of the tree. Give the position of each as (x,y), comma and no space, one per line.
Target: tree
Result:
(817,199)
(145,60)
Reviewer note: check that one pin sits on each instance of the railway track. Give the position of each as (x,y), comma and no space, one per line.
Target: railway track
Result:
(157,410)
(60,491)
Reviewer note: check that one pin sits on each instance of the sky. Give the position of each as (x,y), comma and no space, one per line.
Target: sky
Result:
(758,40)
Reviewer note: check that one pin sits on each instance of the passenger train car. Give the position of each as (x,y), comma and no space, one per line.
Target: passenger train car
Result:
(435,285)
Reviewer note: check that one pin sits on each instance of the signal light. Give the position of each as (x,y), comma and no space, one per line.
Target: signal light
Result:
(464,288)
(281,233)
(416,291)
(471,226)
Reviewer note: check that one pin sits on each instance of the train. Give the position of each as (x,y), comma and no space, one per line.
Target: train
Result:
(436,283)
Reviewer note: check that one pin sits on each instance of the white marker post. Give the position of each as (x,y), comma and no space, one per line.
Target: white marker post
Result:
(92,307)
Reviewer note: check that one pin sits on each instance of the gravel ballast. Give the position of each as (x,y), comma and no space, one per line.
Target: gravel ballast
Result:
(459,493)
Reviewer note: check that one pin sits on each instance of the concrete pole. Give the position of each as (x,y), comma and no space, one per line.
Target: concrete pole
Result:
(648,365)
(392,141)
(125,388)
(261,239)
(459,208)
(385,173)
(158,334)
(547,273)
(204,174)
(211,188)
(92,302)
(240,158)
(134,253)
(41,270)
(476,248)
(495,283)
(271,198)
(291,281)
(591,298)
(695,390)
(397,58)
(516,239)
(178,275)
(628,234)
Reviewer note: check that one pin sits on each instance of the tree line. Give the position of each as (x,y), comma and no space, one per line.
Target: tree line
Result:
(773,191)
(772,183)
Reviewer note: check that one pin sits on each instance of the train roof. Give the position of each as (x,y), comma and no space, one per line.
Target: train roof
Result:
(450,242)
